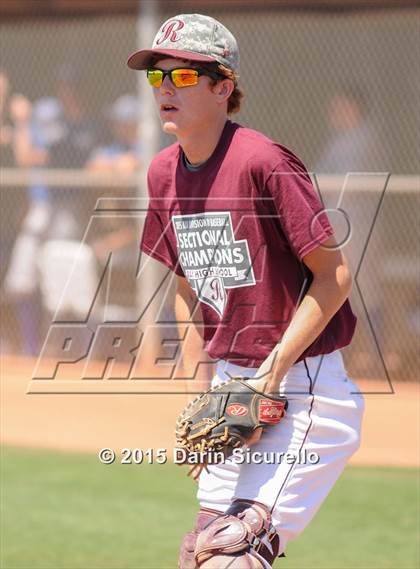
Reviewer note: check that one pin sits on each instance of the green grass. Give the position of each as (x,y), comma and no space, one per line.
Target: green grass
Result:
(65,511)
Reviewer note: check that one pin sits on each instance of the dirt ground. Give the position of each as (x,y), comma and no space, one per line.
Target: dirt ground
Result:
(31,415)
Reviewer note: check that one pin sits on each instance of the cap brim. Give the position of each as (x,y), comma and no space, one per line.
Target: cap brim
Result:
(141,59)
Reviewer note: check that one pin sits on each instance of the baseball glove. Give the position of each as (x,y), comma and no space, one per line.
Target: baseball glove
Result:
(224,418)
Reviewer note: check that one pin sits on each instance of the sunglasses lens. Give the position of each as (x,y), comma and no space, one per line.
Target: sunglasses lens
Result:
(155,77)
(184,77)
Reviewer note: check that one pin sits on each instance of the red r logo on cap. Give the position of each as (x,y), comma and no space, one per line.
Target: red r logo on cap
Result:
(169,31)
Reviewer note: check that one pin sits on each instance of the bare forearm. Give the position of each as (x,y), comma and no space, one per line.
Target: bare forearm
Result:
(322,301)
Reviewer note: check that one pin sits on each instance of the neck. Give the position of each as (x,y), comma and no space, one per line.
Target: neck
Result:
(198,148)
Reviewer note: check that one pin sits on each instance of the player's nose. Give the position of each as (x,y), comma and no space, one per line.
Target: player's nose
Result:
(167,86)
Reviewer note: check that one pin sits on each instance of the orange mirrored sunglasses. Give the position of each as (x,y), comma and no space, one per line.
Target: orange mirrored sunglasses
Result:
(180,77)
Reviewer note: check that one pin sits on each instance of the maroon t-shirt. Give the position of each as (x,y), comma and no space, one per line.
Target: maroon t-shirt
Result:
(238,229)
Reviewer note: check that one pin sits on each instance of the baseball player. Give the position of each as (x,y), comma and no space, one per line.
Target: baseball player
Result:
(236,217)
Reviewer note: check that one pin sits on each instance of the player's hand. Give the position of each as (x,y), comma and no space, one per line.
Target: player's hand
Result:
(270,374)
(226,417)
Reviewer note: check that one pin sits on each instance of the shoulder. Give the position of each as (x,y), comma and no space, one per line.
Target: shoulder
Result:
(162,166)
(261,152)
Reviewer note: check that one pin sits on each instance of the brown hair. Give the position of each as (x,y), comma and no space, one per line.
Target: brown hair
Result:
(235,99)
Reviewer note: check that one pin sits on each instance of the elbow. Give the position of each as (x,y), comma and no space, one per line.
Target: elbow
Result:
(344,280)
(337,280)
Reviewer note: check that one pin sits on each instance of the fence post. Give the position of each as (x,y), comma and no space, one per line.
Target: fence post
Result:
(147,23)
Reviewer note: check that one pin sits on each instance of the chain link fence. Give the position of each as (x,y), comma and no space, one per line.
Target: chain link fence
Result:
(340,88)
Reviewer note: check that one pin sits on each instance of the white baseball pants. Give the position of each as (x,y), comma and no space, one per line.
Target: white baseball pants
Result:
(321,429)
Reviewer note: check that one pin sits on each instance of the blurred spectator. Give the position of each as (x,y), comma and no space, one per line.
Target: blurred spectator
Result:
(355,143)
(123,154)
(36,128)
(72,150)
(81,132)
(6,127)
(6,161)
(59,134)
(54,133)
(11,204)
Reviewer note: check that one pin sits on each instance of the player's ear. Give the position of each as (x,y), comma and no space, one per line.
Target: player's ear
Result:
(224,89)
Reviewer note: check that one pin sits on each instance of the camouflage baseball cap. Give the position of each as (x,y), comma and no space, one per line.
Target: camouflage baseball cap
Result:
(191,36)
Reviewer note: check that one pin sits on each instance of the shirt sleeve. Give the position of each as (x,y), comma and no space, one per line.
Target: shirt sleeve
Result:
(158,241)
(298,206)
